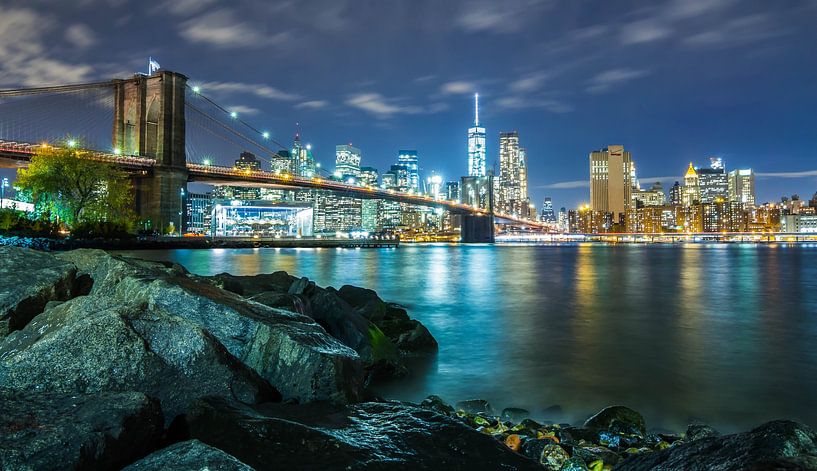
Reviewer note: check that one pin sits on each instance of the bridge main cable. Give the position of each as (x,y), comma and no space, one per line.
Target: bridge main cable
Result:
(54,89)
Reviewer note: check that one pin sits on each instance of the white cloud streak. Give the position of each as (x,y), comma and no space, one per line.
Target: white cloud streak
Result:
(222,29)
(256,89)
(610,78)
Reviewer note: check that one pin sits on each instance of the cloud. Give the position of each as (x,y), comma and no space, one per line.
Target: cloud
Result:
(184,7)
(24,58)
(609,78)
(379,106)
(529,83)
(686,9)
(312,104)
(490,16)
(259,90)
(516,102)
(222,29)
(566,185)
(457,88)
(80,35)
(742,30)
(241,109)
(644,31)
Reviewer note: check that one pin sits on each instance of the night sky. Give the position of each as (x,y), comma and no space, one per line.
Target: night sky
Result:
(673,82)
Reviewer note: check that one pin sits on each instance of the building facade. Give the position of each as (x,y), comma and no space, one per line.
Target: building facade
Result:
(512,188)
(742,186)
(476,145)
(611,181)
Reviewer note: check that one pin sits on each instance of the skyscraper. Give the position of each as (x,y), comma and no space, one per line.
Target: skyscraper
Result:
(247,161)
(548,215)
(742,186)
(611,181)
(512,194)
(692,187)
(713,181)
(303,164)
(476,145)
(675,195)
(347,162)
(410,161)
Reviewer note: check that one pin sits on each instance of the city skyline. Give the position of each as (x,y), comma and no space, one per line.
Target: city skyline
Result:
(754,114)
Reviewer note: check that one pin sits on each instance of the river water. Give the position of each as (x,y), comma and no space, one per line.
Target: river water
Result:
(726,334)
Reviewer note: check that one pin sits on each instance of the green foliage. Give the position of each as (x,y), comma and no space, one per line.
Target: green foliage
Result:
(74,190)
(382,347)
(13,222)
(102,229)
(171,229)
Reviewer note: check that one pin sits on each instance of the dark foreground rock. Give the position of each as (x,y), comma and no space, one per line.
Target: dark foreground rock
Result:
(774,445)
(79,432)
(371,436)
(28,281)
(186,456)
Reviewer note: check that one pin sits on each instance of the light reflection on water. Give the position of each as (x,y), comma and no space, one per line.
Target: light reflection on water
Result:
(721,333)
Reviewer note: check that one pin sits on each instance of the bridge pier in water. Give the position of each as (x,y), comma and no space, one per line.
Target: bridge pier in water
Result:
(477,228)
(149,120)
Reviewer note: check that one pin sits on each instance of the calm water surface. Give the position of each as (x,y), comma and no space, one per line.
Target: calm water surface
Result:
(722,333)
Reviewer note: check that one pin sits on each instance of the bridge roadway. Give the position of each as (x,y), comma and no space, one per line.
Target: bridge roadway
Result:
(17,154)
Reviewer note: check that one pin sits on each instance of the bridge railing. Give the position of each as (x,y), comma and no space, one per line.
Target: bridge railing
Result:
(26,148)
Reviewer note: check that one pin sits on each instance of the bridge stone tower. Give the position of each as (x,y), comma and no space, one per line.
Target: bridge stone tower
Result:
(149,121)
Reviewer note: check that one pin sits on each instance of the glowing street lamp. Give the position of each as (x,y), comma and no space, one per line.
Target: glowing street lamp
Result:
(117,151)
(71,143)
(196,89)
(207,162)
(181,209)
(233,114)
(265,135)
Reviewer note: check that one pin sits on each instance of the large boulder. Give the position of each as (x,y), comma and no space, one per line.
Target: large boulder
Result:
(88,345)
(618,419)
(40,431)
(779,444)
(29,279)
(290,351)
(371,436)
(186,456)
(248,286)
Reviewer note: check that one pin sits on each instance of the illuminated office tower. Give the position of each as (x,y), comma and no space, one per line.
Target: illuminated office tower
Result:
(611,181)
(548,215)
(742,186)
(410,161)
(247,161)
(676,194)
(281,162)
(476,145)
(347,162)
(652,197)
(713,182)
(692,187)
(452,191)
(512,194)
(303,164)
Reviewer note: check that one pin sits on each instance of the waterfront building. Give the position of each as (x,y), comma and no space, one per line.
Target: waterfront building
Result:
(742,186)
(692,189)
(723,216)
(241,193)
(713,181)
(281,163)
(452,191)
(563,222)
(263,219)
(765,218)
(434,186)
(476,145)
(652,197)
(199,212)
(611,181)
(390,215)
(676,194)
(410,161)
(586,221)
(512,188)
(347,162)
(548,215)
(805,223)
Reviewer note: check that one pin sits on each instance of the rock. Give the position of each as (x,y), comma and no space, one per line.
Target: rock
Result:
(409,335)
(290,351)
(593,453)
(533,447)
(618,419)
(553,411)
(781,441)
(699,431)
(290,302)
(105,270)
(475,406)
(81,432)
(370,436)
(553,456)
(365,301)
(514,414)
(436,404)
(189,455)
(573,464)
(29,279)
(248,286)
(343,322)
(301,286)
(87,345)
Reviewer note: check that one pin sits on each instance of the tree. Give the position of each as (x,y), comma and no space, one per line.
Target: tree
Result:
(74,189)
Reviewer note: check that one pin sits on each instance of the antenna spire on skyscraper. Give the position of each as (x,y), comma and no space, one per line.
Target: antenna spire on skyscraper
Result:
(476,109)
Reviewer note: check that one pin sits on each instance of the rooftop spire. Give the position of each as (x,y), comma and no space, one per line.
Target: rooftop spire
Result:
(476,109)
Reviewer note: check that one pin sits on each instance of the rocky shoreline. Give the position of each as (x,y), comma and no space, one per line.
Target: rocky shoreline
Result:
(110,362)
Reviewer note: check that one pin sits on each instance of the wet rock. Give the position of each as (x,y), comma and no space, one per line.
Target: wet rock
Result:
(618,419)
(573,464)
(436,404)
(699,431)
(370,436)
(553,456)
(576,434)
(189,455)
(29,279)
(301,286)
(365,301)
(593,453)
(345,324)
(475,406)
(533,447)
(248,286)
(779,441)
(41,431)
(105,271)
(409,335)
(288,350)
(87,345)
(290,302)
(514,414)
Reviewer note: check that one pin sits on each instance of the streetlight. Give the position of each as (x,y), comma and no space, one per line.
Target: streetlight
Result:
(3,185)
(181,209)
